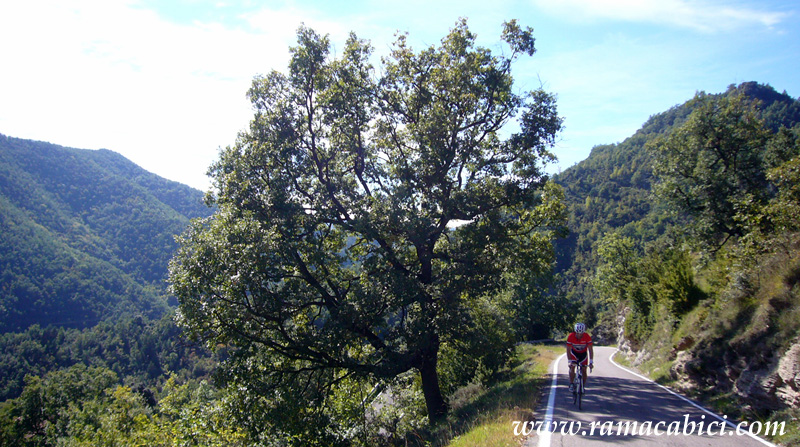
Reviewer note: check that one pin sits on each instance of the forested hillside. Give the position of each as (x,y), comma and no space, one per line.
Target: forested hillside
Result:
(86,235)
(612,189)
(86,326)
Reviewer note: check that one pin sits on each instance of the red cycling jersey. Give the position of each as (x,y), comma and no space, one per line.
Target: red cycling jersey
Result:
(579,345)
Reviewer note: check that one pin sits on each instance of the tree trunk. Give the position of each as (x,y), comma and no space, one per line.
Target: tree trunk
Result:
(437,409)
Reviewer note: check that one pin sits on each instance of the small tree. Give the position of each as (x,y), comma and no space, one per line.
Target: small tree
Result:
(784,158)
(617,267)
(362,212)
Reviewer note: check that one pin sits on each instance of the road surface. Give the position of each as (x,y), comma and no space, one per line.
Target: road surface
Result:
(619,402)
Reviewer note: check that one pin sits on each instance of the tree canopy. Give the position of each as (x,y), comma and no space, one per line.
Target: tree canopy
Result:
(711,168)
(364,211)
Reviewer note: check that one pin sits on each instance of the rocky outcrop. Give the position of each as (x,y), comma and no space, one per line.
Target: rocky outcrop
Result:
(764,380)
(684,344)
(758,387)
(684,369)
(604,335)
(623,344)
(774,384)
(789,374)
(769,383)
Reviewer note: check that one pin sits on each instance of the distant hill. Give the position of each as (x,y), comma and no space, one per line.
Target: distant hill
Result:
(610,189)
(86,235)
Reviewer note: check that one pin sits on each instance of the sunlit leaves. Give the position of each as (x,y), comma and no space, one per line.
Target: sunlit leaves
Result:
(366,209)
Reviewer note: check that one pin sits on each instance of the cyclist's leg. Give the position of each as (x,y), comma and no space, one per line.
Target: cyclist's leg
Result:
(571,372)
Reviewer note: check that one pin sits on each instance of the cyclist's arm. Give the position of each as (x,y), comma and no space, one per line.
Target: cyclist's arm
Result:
(591,354)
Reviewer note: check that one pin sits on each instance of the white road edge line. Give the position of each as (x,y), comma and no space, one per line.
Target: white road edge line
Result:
(544,435)
(690,402)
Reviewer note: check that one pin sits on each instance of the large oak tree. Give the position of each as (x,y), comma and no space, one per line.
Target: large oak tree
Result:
(363,210)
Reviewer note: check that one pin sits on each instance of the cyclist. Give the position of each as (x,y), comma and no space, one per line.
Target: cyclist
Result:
(579,344)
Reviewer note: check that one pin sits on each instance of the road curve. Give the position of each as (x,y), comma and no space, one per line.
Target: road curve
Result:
(621,407)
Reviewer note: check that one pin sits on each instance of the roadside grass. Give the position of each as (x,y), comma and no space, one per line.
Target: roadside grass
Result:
(727,404)
(484,417)
(655,368)
(792,418)
(622,359)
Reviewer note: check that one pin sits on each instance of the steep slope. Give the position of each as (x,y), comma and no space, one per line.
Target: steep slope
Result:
(611,189)
(86,234)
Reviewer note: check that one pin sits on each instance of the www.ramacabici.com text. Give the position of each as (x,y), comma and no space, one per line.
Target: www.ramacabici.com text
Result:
(685,427)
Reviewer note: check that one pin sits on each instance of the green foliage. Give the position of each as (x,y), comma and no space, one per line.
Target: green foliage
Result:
(608,191)
(363,216)
(711,167)
(44,411)
(776,109)
(86,240)
(783,211)
(666,291)
(533,311)
(85,406)
(142,352)
(486,348)
(611,189)
(86,235)
(673,279)
(751,323)
(621,280)
(658,285)
(536,312)
(618,267)
(791,437)
(195,413)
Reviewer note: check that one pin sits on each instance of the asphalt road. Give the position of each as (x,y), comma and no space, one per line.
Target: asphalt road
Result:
(614,401)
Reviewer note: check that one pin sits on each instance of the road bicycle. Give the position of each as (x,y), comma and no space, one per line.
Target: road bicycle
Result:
(577,386)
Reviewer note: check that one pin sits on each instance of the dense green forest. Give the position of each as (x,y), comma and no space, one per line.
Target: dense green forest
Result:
(86,235)
(682,247)
(141,352)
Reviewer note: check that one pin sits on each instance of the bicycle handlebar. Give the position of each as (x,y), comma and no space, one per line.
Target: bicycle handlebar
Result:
(575,362)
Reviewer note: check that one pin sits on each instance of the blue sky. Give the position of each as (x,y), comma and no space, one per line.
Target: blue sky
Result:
(164,82)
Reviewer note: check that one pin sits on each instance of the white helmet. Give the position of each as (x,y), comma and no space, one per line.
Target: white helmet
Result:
(580,328)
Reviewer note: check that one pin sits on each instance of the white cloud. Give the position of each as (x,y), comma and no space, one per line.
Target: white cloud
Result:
(703,16)
(111,74)
(94,74)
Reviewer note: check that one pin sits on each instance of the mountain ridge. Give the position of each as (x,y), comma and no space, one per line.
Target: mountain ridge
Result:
(611,188)
(88,234)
